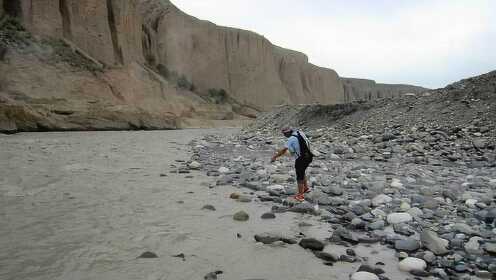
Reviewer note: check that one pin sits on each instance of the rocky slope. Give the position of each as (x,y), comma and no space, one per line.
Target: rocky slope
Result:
(415,174)
(144,64)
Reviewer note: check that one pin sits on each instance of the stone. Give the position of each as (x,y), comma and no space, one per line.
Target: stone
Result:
(347,258)
(208,207)
(279,188)
(403,229)
(268,215)
(342,234)
(212,275)
(407,245)
(148,255)
(396,218)
(396,183)
(223,170)
(195,165)
(377,225)
(463,228)
(234,195)
(415,212)
(490,248)
(334,190)
(405,207)
(373,270)
(241,216)
(326,256)
(318,197)
(312,244)
(484,274)
(412,264)
(305,208)
(473,246)
(267,238)
(471,202)
(429,257)
(363,275)
(378,213)
(434,243)
(350,252)
(381,199)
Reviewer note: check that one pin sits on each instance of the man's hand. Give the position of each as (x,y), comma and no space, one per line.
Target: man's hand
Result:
(278,154)
(273,158)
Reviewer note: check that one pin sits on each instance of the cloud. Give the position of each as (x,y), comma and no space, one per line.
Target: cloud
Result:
(429,43)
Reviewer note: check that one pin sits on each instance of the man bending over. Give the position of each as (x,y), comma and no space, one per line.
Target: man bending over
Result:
(298,146)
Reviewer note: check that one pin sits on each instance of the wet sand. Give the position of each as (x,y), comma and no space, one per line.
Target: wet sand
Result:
(85,205)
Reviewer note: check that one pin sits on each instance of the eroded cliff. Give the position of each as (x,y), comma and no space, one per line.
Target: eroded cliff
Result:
(149,66)
(363,89)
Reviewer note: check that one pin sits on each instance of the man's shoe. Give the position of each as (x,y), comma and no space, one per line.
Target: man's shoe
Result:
(299,197)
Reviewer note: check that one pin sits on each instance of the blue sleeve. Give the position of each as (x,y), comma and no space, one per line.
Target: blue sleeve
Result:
(291,144)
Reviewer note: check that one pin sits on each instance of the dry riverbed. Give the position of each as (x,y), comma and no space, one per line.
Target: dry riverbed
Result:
(86,205)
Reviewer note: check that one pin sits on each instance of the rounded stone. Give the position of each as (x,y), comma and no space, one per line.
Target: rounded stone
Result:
(223,169)
(208,207)
(268,215)
(241,216)
(363,275)
(312,243)
(195,165)
(412,264)
(397,218)
(381,199)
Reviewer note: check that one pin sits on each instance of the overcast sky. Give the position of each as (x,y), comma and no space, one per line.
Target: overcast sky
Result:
(429,43)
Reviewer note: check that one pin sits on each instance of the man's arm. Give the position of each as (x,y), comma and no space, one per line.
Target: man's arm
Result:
(279,153)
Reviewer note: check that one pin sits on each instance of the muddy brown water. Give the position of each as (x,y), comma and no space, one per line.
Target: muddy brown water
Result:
(85,205)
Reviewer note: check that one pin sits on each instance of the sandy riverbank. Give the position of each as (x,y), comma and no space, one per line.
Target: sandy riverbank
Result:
(85,205)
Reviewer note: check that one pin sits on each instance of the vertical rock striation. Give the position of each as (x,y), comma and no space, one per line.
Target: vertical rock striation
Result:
(143,49)
(154,32)
(363,89)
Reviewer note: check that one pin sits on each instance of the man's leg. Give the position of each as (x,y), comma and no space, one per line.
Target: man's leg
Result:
(301,187)
(305,185)
(305,182)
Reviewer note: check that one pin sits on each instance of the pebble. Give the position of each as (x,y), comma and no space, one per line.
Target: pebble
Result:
(381,199)
(241,216)
(195,165)
(148,255)
(407,245)
(396,218)
(312,244)
(412,264)
(363,275)
(223,170)
(268,215)
(473,246)
(208,207)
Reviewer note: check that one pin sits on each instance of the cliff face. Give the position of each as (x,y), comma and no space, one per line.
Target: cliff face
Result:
(155,32)
(152,60)
(363,89)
